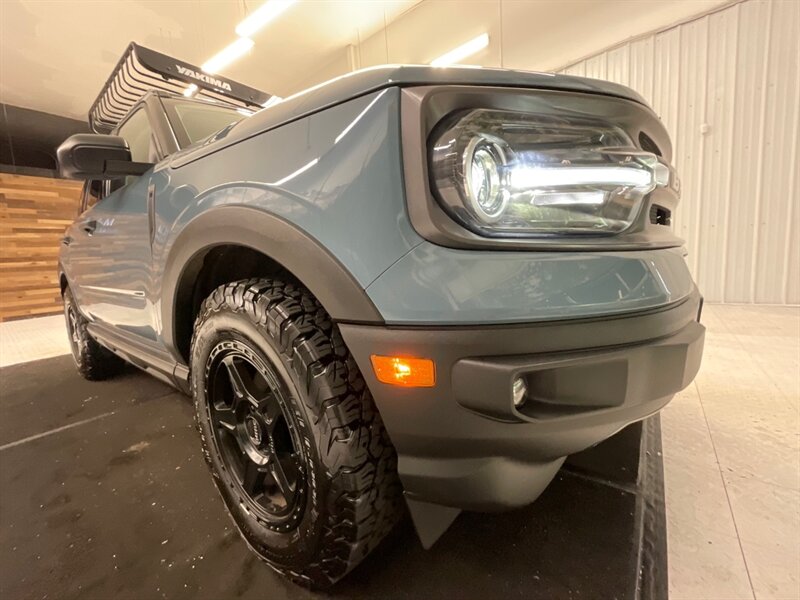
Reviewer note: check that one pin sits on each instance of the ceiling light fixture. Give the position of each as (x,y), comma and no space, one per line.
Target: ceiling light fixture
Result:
(227,55)
(264,14)
(463,51)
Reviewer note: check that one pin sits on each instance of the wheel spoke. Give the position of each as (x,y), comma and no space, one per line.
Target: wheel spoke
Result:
(272,412)
(280,476)
(225,417)
(253,478)
(73,325)
(238,376)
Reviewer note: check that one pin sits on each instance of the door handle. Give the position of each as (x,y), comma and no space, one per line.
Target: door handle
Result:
(89,226)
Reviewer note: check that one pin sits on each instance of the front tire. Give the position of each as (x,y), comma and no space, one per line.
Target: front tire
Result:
(94,362)
(290,431)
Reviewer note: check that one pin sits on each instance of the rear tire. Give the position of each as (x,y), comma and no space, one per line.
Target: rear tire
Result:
(290,431)
(94,362)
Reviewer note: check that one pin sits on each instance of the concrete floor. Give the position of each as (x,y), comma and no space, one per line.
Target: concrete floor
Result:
(105,494)
(731,452)
(732,460)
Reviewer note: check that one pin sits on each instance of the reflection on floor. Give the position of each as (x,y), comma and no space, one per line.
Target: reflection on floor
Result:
(731,452)
(732,460)
(32,339)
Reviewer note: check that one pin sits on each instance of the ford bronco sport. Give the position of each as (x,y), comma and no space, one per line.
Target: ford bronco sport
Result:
(409,283)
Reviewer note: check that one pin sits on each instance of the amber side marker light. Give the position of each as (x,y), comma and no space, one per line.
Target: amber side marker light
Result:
(404,371)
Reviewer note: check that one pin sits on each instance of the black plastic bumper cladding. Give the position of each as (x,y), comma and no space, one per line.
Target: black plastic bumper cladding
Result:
(573,383)
(462,444)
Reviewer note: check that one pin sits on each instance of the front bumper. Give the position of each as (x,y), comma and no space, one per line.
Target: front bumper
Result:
(463,444)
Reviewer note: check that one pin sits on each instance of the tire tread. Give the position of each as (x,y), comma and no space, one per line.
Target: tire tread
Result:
(364,494)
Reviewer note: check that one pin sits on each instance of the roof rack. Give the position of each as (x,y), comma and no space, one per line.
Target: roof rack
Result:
(141,70)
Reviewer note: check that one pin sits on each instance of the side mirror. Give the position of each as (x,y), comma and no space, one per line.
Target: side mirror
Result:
(97,156)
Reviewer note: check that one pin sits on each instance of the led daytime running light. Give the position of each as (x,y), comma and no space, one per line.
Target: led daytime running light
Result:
(526,177)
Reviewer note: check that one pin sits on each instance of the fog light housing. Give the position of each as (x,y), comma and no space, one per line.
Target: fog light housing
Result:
(519,392)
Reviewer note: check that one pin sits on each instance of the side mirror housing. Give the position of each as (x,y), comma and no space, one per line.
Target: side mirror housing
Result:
(97,156)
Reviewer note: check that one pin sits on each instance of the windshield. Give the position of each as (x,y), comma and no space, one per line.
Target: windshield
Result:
(201,120)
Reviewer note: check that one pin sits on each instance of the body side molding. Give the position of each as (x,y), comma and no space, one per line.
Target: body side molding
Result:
(119,291)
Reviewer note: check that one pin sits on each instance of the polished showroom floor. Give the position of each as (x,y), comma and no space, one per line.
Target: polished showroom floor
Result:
(731,445)
(732,460)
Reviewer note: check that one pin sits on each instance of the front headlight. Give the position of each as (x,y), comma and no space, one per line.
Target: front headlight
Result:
(501,172)
(484,163)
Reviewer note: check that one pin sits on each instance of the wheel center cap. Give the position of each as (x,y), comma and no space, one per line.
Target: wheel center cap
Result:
(253,429)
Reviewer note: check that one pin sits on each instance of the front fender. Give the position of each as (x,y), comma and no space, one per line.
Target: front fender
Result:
(300,254)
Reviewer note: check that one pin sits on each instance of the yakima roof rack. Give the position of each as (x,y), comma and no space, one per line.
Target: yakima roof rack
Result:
(141,70)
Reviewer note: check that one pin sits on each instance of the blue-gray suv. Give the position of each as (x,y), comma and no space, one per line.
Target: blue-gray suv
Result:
(409,285)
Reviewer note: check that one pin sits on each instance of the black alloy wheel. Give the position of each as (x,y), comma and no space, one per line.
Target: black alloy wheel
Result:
(256,434)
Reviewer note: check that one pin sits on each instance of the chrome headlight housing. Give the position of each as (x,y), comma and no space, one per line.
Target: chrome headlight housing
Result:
(506,173)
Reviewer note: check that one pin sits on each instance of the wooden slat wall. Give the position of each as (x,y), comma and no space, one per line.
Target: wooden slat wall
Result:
(34,212)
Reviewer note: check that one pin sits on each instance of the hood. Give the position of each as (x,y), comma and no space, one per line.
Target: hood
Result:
(366,81)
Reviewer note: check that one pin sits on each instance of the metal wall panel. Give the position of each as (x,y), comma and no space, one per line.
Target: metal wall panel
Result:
(727,86)
(618,64)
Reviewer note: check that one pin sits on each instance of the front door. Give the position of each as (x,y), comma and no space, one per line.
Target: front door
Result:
(112,255)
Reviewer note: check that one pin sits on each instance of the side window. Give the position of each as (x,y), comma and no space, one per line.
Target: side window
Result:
(92,193)
(139,135)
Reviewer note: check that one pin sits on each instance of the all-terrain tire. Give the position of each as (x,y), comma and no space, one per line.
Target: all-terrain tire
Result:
(94,362)
(354,495)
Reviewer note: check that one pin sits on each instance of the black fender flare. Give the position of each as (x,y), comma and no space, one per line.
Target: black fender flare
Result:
(281,241)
